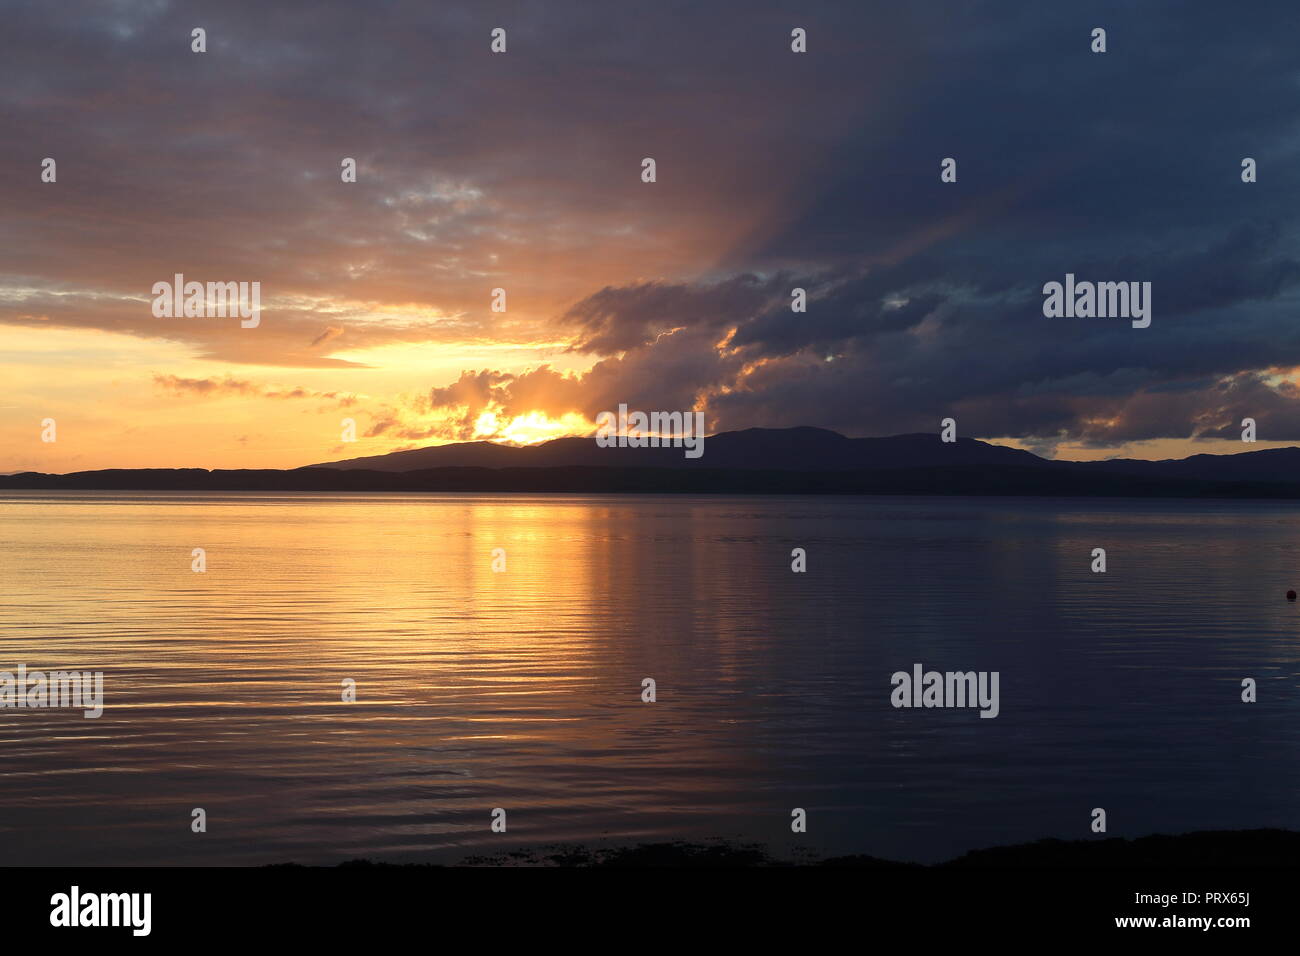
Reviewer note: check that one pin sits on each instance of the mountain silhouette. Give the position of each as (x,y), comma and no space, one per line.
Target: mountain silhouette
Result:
(1273,464)
(801,460)
(782,449)
(819,449)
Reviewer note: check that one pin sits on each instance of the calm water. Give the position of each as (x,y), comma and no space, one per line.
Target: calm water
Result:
(522,689)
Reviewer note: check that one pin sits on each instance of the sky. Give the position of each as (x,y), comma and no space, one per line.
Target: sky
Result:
(522,171)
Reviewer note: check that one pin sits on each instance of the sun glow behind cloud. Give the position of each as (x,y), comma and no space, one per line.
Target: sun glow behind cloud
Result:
(530,429)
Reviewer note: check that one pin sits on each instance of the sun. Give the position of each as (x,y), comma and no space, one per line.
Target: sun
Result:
(529,429)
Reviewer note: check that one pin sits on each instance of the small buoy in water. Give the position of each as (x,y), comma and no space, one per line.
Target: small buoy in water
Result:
(1290,595)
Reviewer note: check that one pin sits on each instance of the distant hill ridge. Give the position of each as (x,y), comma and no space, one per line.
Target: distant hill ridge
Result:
(754,461)
(818,449)
(784,449)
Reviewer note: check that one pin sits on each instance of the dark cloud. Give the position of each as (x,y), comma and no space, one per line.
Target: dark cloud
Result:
(617,319)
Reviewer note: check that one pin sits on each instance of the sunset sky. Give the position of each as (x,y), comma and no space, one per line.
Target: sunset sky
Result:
(522,171)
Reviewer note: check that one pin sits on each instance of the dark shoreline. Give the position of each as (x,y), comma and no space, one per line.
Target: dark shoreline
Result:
(1232,849)
(972,480)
